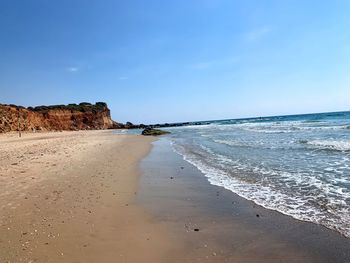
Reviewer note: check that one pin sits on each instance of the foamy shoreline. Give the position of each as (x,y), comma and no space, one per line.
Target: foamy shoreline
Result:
(78,197)
(221,226)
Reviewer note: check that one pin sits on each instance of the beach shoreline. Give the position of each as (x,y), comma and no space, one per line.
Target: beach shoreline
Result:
(98,196)
(69,197)
(220,226)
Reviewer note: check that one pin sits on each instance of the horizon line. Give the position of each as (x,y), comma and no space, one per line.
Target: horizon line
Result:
(256,117)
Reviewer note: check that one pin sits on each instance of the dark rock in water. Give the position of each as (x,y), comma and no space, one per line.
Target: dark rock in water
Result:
(257,215)
(153,132)
(130,125)
(117,125)
(196,229)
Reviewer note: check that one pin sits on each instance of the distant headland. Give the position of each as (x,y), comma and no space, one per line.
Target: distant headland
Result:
(70,117)
(82,116)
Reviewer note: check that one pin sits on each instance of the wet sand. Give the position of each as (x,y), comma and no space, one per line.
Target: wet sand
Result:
(70,197)
(79,197)
(217,225)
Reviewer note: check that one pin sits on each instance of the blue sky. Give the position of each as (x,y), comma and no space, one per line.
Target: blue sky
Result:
(167,61)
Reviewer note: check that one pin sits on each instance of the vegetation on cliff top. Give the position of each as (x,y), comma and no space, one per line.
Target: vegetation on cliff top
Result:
(83,107)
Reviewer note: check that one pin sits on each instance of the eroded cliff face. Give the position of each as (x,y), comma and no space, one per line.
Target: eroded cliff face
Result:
(84,116)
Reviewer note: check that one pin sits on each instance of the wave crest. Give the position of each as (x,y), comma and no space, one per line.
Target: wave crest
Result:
(340,145)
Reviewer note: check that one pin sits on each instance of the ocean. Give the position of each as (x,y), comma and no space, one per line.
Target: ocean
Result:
(298,165)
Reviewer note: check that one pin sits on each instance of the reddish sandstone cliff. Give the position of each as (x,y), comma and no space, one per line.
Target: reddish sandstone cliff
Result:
(84,116)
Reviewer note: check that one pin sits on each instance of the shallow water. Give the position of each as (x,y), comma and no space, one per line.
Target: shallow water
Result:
(298,165)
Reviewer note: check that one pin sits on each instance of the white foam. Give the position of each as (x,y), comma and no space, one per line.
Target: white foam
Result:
(286,126)
(253,143)
(339,145)
(334,215)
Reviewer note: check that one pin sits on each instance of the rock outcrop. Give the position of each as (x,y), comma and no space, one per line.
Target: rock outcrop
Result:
(153,132)
(84,116)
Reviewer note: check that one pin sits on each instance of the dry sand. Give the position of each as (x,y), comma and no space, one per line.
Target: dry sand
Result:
(69,197)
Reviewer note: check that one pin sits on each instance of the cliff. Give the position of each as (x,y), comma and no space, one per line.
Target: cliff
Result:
(84,116)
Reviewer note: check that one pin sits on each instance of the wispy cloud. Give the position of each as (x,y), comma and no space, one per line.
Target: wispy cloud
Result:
(258,33)
(73,69)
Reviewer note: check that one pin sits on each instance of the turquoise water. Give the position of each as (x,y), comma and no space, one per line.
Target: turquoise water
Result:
(128,131)
(298,165)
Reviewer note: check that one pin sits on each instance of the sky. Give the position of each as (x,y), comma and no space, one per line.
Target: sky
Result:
(156,61)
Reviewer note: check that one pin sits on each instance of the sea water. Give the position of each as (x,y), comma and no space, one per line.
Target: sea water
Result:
(298,165)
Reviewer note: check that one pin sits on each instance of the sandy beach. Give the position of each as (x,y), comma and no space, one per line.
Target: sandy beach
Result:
(69,197)
(174,131)
(98,196)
